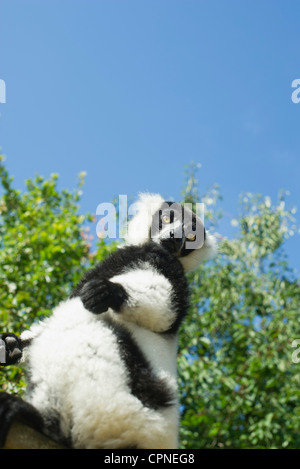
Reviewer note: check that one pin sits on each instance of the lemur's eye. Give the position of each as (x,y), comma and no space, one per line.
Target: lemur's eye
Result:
(166,219)
(191,236)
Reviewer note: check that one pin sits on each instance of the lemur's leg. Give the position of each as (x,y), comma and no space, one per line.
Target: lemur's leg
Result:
(12,409)
(12,347)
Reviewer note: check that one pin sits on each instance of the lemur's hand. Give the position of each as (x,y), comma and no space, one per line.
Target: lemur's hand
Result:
(98,295)
(10,349)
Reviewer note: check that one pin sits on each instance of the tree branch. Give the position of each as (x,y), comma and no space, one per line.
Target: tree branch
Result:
(21,436)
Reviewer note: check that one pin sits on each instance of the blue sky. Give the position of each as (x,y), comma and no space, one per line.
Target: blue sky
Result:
(132,91)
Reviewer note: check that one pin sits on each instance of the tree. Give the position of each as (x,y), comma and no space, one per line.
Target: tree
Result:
(239,386)
(44,250)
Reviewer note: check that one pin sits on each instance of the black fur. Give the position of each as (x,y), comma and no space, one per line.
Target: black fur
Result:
(152,391)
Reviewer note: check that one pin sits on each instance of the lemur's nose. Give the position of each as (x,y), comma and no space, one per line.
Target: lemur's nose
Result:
(176,233)
(176,238)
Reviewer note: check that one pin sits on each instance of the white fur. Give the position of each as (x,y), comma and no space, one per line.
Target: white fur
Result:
(149,302)
(139,227)
(102,413)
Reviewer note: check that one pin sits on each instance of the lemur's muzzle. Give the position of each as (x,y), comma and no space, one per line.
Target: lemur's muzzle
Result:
(175,241)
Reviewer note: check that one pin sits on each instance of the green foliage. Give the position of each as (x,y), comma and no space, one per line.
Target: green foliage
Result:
(239,386)
(45,247)
(43,253)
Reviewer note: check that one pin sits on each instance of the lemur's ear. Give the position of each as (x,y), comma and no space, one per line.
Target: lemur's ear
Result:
(138,230)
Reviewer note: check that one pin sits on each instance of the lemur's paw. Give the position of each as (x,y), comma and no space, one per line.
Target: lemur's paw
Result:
(98,295)
(10,349)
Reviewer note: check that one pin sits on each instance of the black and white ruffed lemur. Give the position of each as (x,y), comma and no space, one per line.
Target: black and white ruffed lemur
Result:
(102,368)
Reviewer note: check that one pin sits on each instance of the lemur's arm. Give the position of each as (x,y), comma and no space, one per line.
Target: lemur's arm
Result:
(141,296)
(142,290)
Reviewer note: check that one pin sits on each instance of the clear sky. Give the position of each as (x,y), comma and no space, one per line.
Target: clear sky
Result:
(131,91)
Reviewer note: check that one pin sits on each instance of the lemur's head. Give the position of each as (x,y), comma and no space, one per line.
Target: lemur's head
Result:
(174,226)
